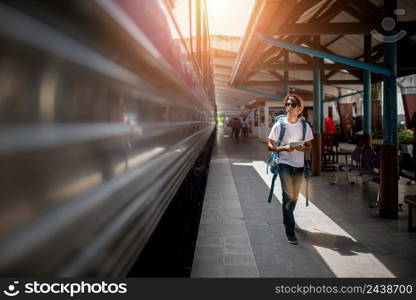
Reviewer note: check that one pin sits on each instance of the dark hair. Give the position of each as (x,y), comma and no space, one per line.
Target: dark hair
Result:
(294,98)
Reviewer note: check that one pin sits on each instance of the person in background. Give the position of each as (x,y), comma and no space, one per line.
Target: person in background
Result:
(330,126)
(244,127)
(235,124)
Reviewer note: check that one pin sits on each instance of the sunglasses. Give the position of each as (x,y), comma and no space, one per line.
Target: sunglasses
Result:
(291,104)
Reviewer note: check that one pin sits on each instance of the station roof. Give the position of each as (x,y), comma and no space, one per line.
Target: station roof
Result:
(224,51)
(333,26)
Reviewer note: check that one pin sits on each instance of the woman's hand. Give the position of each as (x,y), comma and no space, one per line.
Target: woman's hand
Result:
(300,148)
(306,147)
(289,149)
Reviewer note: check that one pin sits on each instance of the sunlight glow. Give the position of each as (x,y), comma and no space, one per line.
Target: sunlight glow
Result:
(326,235)
(225,17)
(229,17)
(216,6)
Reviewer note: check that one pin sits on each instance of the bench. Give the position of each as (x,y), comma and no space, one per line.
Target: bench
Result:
(410,200)
(355,156)
(365,162)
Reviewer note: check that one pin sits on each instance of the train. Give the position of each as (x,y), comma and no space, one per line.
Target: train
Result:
(104,108)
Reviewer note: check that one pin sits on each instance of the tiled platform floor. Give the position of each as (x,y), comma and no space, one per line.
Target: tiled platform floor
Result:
(241,235)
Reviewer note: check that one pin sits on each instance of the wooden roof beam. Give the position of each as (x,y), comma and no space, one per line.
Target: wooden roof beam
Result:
(277,75)
(356,73)
(367,9)
(218,66)
(329,10)
(327,15)
(267,17)
(333,41)
(223,53)
(357,14)
(327,28)
(379,53)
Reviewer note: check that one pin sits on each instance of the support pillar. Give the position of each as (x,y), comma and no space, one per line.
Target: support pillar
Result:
(388,206)
(286,75)
(266,120)
(285,90)
(322,103)
(317,116)
(367,108)
(317,141)
(367,94)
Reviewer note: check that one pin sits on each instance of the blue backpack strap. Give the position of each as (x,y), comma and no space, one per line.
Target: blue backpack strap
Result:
(304,127)
(306,167)
(269,199)
(282,131)
(275,155)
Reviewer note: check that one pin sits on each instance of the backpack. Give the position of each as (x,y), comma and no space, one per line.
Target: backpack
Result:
(274,167)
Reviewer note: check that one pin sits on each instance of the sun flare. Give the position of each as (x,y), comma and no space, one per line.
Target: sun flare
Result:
(216,6)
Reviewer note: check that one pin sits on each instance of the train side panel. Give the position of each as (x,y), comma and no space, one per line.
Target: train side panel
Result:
(97,135)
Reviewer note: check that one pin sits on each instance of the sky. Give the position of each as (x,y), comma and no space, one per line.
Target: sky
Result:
(229,17)
(225,17)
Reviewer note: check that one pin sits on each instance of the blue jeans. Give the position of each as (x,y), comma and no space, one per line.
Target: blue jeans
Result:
(291,180)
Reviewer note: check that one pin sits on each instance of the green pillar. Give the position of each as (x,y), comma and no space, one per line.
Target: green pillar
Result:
(367,138)
(388,206)
(367,102)
(317,119)
(390,98)
(286,74)
(317,96)
(322,105)
(285,90)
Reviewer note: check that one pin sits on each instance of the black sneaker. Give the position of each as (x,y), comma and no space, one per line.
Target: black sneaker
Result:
(292,239)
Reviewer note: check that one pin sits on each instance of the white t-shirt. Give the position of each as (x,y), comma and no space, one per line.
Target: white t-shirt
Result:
(293,133)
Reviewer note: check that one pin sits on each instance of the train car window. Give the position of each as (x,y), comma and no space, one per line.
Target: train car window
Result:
(191,21)
(17,80)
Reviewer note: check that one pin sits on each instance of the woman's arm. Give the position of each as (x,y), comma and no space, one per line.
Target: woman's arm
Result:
(271,147)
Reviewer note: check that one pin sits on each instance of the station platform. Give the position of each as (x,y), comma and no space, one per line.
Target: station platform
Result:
(241,235)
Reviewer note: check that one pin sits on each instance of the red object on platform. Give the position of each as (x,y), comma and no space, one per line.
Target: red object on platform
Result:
(330,126)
